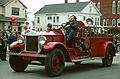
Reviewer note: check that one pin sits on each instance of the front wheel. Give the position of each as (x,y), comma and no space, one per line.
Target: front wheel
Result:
(54,62)
(17,64)
(108,59)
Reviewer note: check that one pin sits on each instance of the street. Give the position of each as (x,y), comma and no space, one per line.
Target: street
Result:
(92,69)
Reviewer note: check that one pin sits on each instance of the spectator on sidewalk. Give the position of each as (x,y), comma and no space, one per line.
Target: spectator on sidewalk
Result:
(0,44)
(11,39)
(4,41)
(118,42)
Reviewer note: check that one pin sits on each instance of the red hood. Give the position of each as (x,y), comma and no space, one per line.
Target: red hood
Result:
(53,36)
(49,33)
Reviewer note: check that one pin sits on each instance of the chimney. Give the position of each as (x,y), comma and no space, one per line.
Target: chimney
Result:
(77,1)
(66,1)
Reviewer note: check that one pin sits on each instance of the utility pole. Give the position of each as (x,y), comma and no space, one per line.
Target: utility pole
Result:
(77,1)
(66,1)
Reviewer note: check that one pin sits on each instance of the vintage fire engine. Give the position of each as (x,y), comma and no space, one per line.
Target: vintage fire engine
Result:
(50,49)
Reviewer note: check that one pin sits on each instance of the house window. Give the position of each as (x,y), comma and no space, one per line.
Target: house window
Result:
(103,22)
(57,19)
(49,18)
(106,22)
(118,10)
(118,22)
(15,11)
(90,9)
(113,7)
(25,14)
(38,19)
(113,22)
(84,18)
(98,6)
(54,19)
(96,21)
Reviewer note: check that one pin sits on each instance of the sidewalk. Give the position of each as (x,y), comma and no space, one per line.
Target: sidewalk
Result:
(117,54)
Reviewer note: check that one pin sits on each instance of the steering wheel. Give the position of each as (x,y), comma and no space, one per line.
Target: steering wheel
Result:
(63,25)
(63,28)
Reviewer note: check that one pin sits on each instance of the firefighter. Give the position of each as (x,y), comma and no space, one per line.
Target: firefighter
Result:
(49,26)
(71,29)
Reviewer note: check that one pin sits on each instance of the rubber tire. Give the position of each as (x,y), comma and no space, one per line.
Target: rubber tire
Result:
(17,64)
(49,62)
(108,59)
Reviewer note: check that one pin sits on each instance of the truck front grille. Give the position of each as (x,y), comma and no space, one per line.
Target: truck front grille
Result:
(32,43)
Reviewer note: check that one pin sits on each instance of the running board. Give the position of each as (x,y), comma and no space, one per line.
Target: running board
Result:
(28,55)
(85,59)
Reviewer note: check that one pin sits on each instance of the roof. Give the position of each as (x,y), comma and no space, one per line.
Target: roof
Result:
(5,2)
(3,18)
(68,7)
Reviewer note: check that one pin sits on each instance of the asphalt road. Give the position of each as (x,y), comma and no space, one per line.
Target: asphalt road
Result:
(92,69)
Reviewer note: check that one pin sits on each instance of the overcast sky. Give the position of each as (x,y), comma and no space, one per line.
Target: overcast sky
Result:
(35,5)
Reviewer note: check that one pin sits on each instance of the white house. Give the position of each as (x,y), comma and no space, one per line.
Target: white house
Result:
(59,13)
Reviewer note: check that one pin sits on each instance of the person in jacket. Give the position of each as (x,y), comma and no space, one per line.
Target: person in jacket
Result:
(4,47)
(49,26)
(4,41)
(11,39)
(0,44)
(117,42)
(72,26)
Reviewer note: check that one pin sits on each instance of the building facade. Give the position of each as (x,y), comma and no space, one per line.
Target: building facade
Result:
(9,8)
(59,13)
(110,10)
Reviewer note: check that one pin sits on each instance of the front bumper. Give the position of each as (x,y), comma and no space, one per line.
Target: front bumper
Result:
(27,55)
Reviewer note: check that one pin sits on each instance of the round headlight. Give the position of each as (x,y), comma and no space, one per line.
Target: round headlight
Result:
(42,40)
(20,39)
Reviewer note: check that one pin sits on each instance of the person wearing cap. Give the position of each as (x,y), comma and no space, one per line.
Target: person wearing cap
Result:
(49,26)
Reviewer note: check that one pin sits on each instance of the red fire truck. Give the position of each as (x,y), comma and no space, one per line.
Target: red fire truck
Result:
(49,48)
